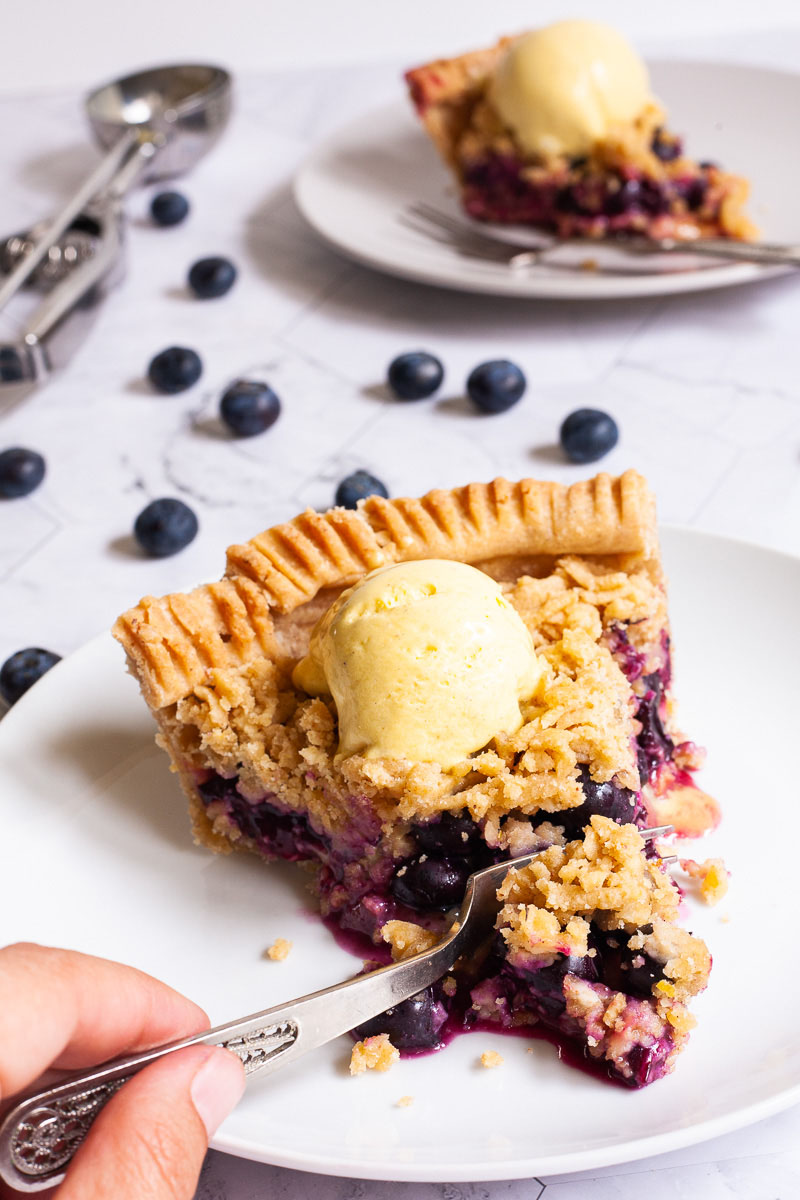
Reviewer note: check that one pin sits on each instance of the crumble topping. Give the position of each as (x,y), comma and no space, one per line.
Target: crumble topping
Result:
(405,1101)
(605,877)
(490,1058)
(407,939)
(712,875)
(373,1054)
(248,721)
(279,950)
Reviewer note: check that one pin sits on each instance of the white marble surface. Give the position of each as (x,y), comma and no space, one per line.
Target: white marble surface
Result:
(706,391)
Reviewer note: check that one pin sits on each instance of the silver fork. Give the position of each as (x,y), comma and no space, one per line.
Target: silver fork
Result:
(431,222)
(41,1134)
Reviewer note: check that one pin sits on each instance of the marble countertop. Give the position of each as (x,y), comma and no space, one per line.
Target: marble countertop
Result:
(706,390)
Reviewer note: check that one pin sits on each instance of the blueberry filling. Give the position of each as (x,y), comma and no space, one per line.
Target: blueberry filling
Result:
(431,884)
(655,746)
(623,969)
(415,1024)
(602,799)
(289,835)
(451,834)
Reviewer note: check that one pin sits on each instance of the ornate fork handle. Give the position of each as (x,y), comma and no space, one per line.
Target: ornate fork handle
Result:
(42,1133)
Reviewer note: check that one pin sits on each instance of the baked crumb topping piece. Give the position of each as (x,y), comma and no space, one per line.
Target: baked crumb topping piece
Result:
(373,1054)
(280,950)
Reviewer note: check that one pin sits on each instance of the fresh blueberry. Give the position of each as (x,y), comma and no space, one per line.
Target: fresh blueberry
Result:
(415,375)
(249,407)
(413,1024)
(21,472)
(164,527)
(430,883)
(212,277)
(356,487)
(495,386)
(175,370)
(451,834)
(10,365)
(21,670)
(169,208)
(587,434)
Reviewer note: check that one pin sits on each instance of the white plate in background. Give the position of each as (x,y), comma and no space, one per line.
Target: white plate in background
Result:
(353,187)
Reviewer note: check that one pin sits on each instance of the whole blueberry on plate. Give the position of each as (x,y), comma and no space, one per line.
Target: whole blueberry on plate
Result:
(175,369)
(248,407)
(587,434)
(169,208)
(357,487)
(22,669)
(21,471)
(164,527)
(212,277)
(415,375)
(496,386)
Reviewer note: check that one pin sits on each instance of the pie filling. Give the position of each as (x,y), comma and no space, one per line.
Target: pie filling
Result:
(586,950)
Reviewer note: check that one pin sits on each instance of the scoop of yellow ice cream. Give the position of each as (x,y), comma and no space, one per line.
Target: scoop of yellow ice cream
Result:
(562,88)
(425,661)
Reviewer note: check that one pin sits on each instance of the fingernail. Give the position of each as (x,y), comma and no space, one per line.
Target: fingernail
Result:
(217,1088)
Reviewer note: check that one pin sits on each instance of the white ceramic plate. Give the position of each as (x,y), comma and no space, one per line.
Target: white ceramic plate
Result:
(98,856)
(354,186)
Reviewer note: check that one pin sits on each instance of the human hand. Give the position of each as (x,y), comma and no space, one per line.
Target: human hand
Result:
(62,1009)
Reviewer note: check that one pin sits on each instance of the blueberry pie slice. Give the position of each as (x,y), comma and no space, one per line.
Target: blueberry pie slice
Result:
(402,693)
(558,129)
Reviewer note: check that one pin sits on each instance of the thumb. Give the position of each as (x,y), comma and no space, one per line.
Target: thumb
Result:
(152,1136)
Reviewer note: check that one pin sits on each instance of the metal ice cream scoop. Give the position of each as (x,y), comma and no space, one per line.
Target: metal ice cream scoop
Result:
(153,125)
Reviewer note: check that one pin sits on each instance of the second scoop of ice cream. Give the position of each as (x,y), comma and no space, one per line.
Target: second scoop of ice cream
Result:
(425,661)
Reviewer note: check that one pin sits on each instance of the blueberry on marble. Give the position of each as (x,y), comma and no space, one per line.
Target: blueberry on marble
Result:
(415,375)
(249,407)
(431,883)
(21,472)
(175,369)
(164,527)
(10,365)
(413,1024)
(496,386)
(169,208)
(212,277)
(357,487)
(587,434)
(22,669)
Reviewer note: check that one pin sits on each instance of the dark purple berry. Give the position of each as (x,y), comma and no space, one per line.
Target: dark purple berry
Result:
(666,147)
(655,746)
(11,369)
(175,370)
(431,883)
(249,407)
(212,277)
(169,208)
(605,799)
(451,834)
(21,671)
(587,434)
(164,527)
(623,969)
(357,487)
(496,386)
(415,375)
(21,472)
(413,1024)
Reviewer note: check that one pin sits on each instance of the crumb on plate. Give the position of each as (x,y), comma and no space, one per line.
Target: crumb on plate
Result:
(712,875)
(405,1101)
(279,950)
(373,1054)
(490,1058)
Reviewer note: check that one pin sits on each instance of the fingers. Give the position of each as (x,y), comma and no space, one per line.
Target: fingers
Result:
(151,1137)
(64,1009)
